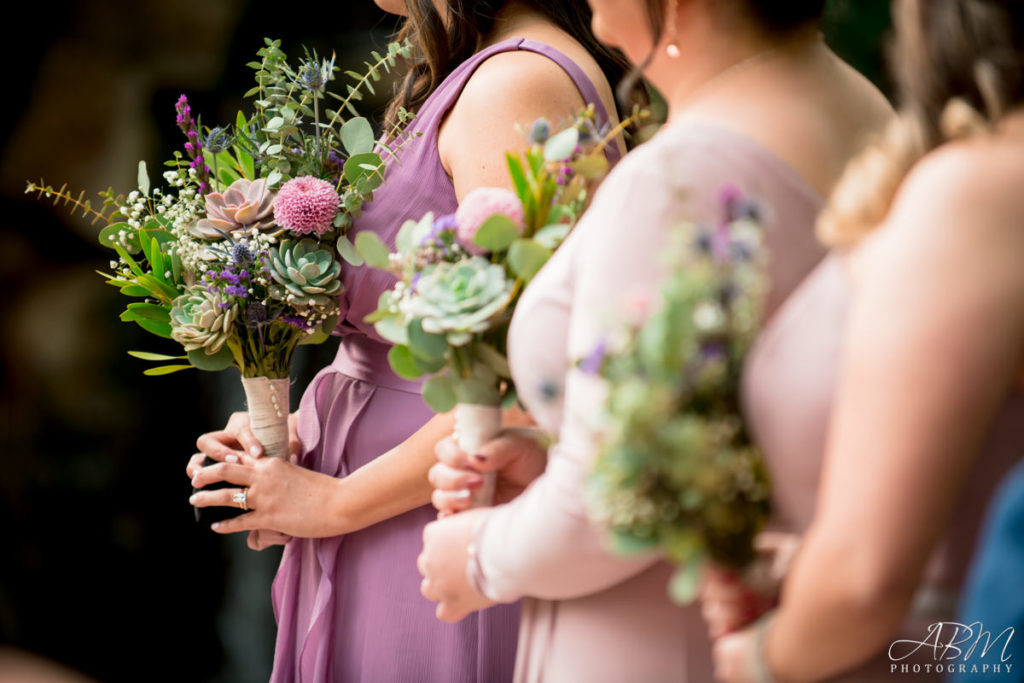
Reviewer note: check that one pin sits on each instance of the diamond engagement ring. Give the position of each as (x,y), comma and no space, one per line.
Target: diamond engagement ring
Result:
(240,499)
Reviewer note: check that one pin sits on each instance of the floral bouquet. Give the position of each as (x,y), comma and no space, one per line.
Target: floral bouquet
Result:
(677,470)
(236,259)
(460,276)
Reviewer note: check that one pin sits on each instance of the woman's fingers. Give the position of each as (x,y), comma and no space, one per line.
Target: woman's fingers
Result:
(447,451)
(238,427)
(451,501)
(241,475)
(218,445)
(261,539)
(222,498)
(195,463)
(450,479)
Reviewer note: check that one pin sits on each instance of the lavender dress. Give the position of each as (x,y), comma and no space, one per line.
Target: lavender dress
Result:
(349,608)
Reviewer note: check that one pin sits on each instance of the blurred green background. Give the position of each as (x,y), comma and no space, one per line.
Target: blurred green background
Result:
(103,567)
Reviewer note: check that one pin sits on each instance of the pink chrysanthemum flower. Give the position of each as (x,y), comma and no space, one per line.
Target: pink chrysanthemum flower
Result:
(306,205)
(479,205)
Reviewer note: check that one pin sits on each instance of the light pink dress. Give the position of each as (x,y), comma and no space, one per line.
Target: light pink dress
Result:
(588,613)
(797,357)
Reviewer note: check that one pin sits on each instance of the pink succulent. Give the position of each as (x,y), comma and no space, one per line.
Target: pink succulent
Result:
(245,204)
(479,205)
(306,205)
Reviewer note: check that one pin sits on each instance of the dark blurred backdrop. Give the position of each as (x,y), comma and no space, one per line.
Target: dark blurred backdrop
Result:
(103,568)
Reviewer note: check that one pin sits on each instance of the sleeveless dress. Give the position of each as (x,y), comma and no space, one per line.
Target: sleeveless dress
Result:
(797,356)
(590,614)
(348,608)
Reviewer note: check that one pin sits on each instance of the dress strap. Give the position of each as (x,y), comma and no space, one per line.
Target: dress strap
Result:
(444,98)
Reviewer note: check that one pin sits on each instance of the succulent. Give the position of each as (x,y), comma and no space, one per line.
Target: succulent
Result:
(245,204)
(459,299)
(202,319)
(306,275)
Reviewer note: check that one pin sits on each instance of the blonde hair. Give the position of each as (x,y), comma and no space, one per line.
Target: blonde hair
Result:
(959,67)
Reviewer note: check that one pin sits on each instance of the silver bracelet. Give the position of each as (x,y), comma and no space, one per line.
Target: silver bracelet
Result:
(761,671)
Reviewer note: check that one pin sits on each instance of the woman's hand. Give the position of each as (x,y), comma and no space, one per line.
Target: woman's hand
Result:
(227,445)
(730,601)
(281,496)
(517,454)
(237,439)
(736,657)
(443,566)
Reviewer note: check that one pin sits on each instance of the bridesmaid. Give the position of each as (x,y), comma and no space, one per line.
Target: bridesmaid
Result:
(346,595)
(756,99)
(908,350)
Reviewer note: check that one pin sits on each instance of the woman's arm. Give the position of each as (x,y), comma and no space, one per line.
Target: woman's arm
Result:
(935,340)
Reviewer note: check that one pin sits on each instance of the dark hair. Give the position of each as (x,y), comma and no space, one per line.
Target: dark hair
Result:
(775,16)
(442,45)
(959,67)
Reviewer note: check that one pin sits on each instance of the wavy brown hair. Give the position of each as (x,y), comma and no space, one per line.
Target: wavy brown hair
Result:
(445,42)
(959,67)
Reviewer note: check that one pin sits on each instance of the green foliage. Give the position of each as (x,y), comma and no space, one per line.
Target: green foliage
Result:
(676,470)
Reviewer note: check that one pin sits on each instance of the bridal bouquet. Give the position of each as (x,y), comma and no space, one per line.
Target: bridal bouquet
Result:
(460,276)
(236,258)
(677,470)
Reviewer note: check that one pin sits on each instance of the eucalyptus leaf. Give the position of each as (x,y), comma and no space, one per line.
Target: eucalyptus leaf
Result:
(526,257)
(560,146)
(403,363)
(551,236)
(372,250)
(347,251)
(367,165)
(424,345)
(357,136)
(685,582)
(629,544)
(393,330)
(496,233)
(439,393)
(222,360)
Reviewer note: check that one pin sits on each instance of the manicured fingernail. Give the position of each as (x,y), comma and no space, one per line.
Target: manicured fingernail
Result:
(254,451)
(195,483)
(231,458)
(192,499)
(474,482)
(480,458)
(215,526)
(293,458)
(461,495)
(445,514)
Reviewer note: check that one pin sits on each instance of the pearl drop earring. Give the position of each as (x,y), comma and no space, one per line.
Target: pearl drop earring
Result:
(672,49)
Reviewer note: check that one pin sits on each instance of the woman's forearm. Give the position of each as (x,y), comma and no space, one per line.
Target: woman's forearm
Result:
(391,484)
(838,612)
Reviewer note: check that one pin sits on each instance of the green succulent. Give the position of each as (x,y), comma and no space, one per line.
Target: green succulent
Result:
(460,299)
(305,274)
(201,320)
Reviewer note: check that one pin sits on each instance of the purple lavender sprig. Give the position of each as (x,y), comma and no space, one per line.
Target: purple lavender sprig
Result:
(193,146)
